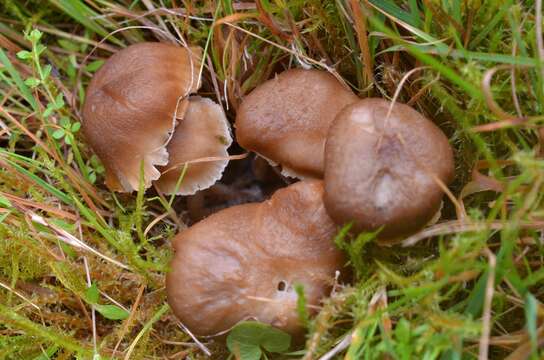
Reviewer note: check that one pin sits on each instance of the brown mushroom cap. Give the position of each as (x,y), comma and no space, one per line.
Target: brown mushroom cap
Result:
(201,139)
(286,119)
(130,109)
(242,262)
(383,172)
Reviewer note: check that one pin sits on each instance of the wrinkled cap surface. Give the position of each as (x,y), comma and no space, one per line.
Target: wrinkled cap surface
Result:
(129,111)
(381,172)
(286,119)
(201,140)
(244,261)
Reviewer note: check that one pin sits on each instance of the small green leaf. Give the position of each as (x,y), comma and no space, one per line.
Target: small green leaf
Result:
(24,55)
(94,65)
(92,294)
(402,331)
(59,101)
(69,139)
(248,337)
(35,35)
(71,71)
(112,312)
(58,134)
(64,122)
(32,82)
(76,126)
(47,71)
(68,45)
(246,351)
(49,110)
(276,341)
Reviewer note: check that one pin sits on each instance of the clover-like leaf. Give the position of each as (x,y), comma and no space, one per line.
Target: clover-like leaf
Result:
(112,312)
(32,82)
(24,55)
(69,139)
(49,110)
(92,294)
(248,338)
(59,101)
(58,134)
(64,122)
(35,35)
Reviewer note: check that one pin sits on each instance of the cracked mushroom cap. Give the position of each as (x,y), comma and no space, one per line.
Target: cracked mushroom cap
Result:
(383,171)
(286,119)
(200,140)
(243,262)
(131,107)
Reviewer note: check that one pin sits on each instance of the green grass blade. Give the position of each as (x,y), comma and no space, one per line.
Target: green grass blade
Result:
(392,9)
(25,91)
(42,183)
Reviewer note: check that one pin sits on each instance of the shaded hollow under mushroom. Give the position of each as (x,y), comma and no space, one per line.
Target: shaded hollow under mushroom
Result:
(243,262)
(203,135)
(286,119)
(385,171)
(130,109)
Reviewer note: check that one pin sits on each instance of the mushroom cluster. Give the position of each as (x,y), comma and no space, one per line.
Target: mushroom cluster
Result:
(370,162)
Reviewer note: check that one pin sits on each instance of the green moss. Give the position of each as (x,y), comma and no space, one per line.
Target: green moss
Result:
(18,256)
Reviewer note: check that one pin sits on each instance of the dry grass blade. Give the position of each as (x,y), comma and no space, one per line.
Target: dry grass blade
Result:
(483,351)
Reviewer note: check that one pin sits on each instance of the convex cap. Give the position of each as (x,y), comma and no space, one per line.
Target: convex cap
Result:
(243,262)
(385,170)
(286,119)
(131,105)
(200,140)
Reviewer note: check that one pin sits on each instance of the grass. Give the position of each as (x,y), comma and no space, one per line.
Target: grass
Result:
(81,269)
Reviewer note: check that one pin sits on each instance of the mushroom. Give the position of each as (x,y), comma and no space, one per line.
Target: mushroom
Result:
(385,169)
(285,120)
(243,262)
(200,140)
(131,108)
